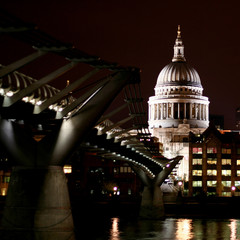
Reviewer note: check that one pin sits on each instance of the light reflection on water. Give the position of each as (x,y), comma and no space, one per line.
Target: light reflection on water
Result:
(184,229)
(114,232)
(173,229)
(233,227)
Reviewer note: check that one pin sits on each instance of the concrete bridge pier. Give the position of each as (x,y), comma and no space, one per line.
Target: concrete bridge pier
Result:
(37,205)
(152,206)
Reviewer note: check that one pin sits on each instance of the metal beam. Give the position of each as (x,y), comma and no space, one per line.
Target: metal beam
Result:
(120,132)
(127,138)
(167,170)
(64,92)
(60,145)
(8,101)
(80,100)
(20,63)
(103,118)
(115,125)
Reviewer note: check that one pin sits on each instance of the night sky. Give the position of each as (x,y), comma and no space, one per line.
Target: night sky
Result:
(142,34)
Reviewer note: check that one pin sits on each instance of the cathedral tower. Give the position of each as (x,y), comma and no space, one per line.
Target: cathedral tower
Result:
(178,106)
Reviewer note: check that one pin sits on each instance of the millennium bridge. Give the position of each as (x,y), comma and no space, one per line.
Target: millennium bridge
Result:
(41,126)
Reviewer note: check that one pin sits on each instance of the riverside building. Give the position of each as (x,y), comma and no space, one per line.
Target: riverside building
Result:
(214,163)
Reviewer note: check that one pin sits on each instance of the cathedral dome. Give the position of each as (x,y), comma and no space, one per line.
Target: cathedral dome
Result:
(178,73)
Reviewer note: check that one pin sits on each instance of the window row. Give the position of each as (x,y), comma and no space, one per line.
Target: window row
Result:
(213,172)
(214,184)
(198,150)
(213,161)
(118,170)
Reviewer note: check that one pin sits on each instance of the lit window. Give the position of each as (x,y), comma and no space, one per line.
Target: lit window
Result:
(197,161)
(226,194)
(226,150)
(211,193)
(226,161)
(238,173)
(197,172)
(226,172)
(238,162)
(212,161)
(6,179)
(212,150)
(196,150)
(125,169)
(197,183)
(3,191)
(237,184)
(115,170)
(226,183)
(211,172)
(67,169)
(212,183)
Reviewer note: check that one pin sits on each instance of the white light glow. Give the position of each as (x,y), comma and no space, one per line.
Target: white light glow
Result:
(25,99)
(67,169)
(9,94)
(39,102)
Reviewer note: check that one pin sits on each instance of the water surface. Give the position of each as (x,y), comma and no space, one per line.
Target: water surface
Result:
(171,228)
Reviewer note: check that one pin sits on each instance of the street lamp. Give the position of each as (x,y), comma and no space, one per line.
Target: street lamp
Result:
(233,188)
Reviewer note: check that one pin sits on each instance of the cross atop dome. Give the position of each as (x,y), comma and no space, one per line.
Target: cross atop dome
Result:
(179,32)
(178,48)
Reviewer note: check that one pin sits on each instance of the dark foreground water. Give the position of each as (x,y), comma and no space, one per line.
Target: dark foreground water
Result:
(171,228)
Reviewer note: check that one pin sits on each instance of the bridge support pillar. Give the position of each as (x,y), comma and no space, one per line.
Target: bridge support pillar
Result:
(152,206)
(37,205)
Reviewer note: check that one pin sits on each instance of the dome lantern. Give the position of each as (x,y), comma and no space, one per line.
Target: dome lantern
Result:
(178,48)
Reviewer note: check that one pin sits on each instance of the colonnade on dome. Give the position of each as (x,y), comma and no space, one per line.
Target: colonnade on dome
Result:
(193,112)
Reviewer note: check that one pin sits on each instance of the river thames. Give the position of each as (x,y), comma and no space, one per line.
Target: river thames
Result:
(116,228)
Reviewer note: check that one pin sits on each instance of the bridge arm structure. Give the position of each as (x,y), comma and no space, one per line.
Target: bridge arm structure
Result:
(37,201)
(151,172)
(152,205)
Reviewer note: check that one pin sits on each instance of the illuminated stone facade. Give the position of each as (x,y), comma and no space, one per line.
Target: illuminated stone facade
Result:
(178,107)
